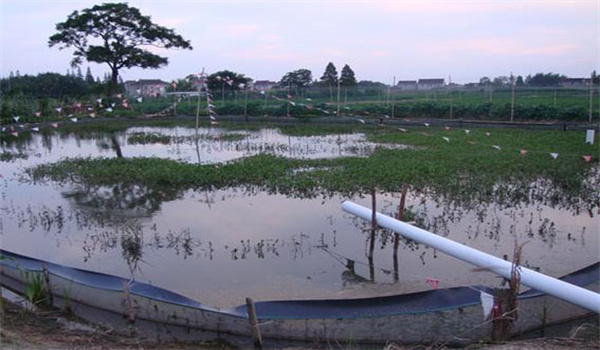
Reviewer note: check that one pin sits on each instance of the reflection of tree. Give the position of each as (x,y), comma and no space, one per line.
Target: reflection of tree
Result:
(132,246)
(122,199)
(116,146)
(120,206)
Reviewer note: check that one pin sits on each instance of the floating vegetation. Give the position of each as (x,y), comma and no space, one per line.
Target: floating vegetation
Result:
(230,137)
(144,138)
(319,129)
(12,156)
(454,164)
(459,171)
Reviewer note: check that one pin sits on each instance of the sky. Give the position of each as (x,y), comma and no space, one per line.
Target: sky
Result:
(384,41)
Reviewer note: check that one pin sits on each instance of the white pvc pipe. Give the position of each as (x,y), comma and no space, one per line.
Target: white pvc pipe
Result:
(560,289)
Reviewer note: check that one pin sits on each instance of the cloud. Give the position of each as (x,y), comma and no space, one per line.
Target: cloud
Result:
(496,46)
(550,50)
(240,30)
(446,6)
(477,6)
(380,53)
(270,37)
(261,52)
(172,22)
(331,52)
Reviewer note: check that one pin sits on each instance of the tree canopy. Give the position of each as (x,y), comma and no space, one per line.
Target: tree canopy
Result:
(298,80)
(541,79)
(371,84)
(227,80)
(117,35)
(330,76)
(347,77)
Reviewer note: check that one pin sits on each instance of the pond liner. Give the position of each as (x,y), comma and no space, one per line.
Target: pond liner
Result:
(453,315)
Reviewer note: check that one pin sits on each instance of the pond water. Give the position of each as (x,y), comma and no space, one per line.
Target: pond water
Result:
(222,246)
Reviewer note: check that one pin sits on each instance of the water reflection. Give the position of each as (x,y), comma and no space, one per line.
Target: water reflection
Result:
(211,145)
(228,235)
(122,199)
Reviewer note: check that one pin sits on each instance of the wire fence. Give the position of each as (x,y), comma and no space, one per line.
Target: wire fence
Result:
(450,102)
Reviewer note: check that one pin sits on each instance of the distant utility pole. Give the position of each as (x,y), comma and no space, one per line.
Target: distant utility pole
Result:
(512,97)
(289,94)
(387,103)
(451,96)
(591,97)
(338,97)
(393,86)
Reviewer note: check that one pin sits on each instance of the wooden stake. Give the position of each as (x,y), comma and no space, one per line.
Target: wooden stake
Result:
(254,324)
(373,228)
(400,217)
(129,303)
(373,221)
(48,288)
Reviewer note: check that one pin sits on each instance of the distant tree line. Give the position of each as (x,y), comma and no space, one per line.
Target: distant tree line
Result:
(54,85)
(537,80)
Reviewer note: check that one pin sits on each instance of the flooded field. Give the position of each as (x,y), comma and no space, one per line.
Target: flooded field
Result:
(221,246)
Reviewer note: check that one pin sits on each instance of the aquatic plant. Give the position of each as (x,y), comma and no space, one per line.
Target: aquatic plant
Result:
(35,288)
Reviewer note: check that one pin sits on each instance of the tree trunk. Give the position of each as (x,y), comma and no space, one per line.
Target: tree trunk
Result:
(114,82)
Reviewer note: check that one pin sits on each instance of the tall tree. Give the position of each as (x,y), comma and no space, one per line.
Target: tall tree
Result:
(117,35)
(330,75)
(520,81)
(89,78)
(330,78)
(347,77)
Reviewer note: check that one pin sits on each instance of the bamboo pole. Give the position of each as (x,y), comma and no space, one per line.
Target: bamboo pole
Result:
(576,295)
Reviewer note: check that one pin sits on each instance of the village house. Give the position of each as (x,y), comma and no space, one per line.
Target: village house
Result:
(406,85)
(429,84)
(146,87)
(575,82)
(263,85)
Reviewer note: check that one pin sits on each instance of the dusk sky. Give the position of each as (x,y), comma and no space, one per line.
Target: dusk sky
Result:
(378,39)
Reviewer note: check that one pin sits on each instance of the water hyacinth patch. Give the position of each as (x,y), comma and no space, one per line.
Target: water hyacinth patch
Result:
(465,168)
